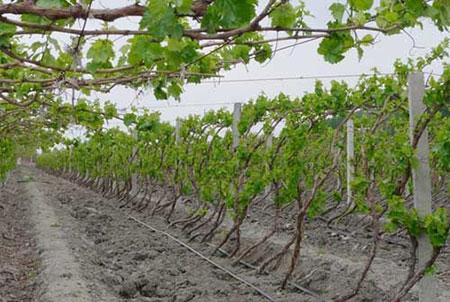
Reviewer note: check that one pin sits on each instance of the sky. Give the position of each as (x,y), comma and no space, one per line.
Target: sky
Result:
(300,61)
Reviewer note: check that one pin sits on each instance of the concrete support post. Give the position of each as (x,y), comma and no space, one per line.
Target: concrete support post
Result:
(236,120)
(177,131)
(269,143)
(421,181)
(350,160)
(134,176)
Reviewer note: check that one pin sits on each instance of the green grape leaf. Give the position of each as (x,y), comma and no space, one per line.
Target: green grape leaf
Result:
(337,11)
(144,50)
(101,53)
(284,16)
(110,110)
(184,6)
(6,32)
(367,39)
(129,118)
(263,53)
(161,21)
(436,226)
(334,47)
(360,5)
(228,14)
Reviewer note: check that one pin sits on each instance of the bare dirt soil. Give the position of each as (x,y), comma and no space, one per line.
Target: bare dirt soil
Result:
(106,256)
(18,255)
(129,262)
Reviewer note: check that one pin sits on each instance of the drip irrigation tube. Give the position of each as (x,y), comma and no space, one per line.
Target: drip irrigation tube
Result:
(258,290)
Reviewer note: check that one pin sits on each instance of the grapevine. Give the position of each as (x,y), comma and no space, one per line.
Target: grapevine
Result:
(283,158)
(199,169)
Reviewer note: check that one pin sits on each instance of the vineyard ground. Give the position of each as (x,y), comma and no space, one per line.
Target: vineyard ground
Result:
(89,246)
(19,260)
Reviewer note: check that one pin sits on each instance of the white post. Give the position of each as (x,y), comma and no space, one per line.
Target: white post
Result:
(177,131)
(235,132)
(236,120)
(269,143)
(70,159)
(134,176)
(350,160)
(421,181)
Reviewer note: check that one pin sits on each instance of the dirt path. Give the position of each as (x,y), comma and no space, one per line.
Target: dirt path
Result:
(113,255)
(60,272)
(18,255)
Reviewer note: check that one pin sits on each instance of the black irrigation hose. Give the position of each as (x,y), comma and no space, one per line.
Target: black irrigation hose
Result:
(298,287)
(258,290)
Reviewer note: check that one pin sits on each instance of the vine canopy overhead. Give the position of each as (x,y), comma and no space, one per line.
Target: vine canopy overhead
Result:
(47,46)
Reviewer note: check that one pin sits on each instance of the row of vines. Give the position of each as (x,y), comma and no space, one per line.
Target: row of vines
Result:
(7,159)
(287,154)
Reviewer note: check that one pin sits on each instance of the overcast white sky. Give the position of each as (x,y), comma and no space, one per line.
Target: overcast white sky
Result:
(300,61)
